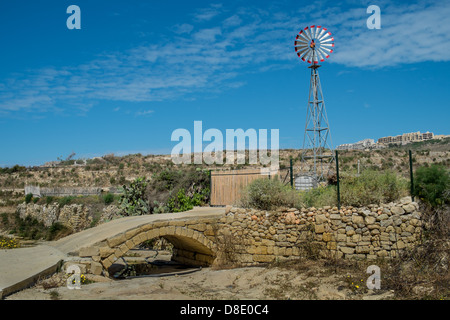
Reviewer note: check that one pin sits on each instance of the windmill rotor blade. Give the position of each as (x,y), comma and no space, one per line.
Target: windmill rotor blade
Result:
(326,50)
(308,59)
(313,32)
(325,35)
(305,57)
(319,55)
(315,58)
(301,36)
(319,36)
(318,30)
(327,45)
(300,49)
(327,40)
(298,42)
(308,33)
(323,53)
(302,52)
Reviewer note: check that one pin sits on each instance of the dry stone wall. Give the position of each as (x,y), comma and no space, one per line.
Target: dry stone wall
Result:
(74,216)
(368,232)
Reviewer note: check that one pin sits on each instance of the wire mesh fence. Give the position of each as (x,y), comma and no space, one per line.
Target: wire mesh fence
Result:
(361,176)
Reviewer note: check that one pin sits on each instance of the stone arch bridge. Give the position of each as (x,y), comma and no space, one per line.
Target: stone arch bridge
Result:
(192,234)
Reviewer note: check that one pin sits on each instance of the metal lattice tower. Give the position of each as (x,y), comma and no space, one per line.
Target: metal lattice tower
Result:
(313,44)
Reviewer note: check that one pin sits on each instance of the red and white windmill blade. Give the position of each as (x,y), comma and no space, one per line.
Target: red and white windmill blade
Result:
(314,44)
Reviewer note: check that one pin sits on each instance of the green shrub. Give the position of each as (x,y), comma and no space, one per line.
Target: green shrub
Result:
(28,198)
(65,201)
(182,202)
(108,198)
(319,197)
(49,199)
(372,187)
(268,194)
(432,185)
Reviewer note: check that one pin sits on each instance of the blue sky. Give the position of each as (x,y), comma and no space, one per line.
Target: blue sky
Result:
(137,70)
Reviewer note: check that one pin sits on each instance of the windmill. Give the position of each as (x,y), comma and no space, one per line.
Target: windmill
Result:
(314,44)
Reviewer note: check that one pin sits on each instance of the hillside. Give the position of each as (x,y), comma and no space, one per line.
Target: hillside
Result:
(114,171)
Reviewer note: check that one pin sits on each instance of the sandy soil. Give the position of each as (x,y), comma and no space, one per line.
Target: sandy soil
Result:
(208,284)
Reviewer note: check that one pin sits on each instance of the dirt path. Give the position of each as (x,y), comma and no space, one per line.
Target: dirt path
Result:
(241,283)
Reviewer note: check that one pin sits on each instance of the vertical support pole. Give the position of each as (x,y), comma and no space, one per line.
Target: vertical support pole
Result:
(337,178)
(411,174)
(291,173)
(210,187)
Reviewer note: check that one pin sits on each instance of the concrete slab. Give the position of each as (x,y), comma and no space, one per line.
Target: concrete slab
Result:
(20,268)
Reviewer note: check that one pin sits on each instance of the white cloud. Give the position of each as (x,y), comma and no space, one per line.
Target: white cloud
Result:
(207,34)
(183,28)
(232,21)
(408,34)
(213,59)
(145,112)
(209,13)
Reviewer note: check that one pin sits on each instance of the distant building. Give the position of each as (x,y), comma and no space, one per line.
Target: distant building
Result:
(360,145)
(407,138)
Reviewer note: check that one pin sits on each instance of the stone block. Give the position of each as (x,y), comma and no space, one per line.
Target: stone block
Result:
(130,244)
(154,233)
(263,258)
(357,219)
(327,237)
(409,208)
(88,252)
(106,263)
(319,228)
(261,250)
(400,245)
(177,223)
(341,237)
(362,249)
(96,268)
(382,253)
(332,245)
(347,250)
(370,220)
(115,241)
(200,227)
(321,218)
(131,233)
(397,210)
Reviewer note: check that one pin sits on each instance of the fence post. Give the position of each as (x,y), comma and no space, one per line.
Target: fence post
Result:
(411,174)
(210,187)
(291,174)
(337,178)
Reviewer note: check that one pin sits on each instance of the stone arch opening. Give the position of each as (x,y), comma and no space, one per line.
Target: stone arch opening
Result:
(190,247)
